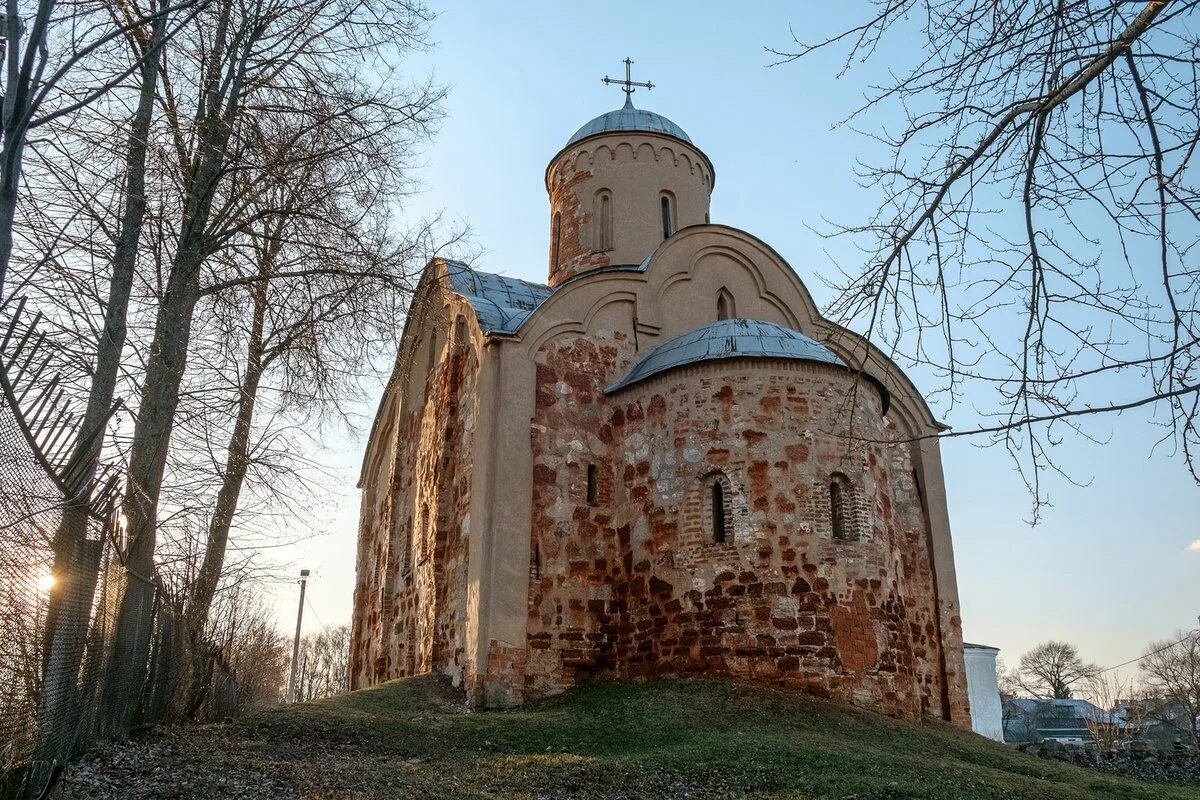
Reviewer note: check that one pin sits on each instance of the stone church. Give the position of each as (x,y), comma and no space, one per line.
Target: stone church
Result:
(663,461)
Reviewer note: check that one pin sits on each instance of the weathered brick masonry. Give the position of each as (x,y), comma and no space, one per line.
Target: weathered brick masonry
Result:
(634,584)
(664,462)
(410,597)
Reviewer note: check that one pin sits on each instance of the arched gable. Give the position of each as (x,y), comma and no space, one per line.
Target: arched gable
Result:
(433,309)
(676,291)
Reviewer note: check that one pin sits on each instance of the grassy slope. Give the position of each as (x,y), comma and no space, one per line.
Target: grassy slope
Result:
(658,740)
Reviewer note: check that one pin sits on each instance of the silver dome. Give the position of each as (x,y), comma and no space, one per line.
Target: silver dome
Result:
(728,338)
(629,118)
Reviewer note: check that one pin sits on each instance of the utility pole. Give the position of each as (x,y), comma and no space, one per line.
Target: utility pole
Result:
(291,692)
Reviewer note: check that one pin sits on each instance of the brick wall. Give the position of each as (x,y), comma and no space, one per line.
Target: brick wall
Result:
(411,593)
(635,585)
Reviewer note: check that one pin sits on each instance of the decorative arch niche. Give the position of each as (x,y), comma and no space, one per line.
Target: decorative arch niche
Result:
(602,226)
(725,305)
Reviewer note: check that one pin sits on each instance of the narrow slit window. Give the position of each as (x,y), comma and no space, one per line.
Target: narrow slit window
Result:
(535,561)
(718,512)
(592,492)
(841,497)
(556,237)
(665,203)
(604,239)
(431,355)
(725,305)
(406,556)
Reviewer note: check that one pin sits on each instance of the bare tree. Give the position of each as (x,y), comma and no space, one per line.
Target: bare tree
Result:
(1052,670)
(51,69)
(75,568)
(327,281)
(1171,671)
(324,662)
(251,663)
(306,343)
(289,66)
(1117,714)
(1006,680)
(1037,222)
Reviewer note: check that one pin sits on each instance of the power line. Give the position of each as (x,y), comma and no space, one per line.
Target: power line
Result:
(314,612)
(1186,636)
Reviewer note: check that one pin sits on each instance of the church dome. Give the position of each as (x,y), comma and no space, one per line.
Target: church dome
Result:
(736,338)
(729,338)
(628,118)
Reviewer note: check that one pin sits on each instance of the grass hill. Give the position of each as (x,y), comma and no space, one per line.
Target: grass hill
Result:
(668,739)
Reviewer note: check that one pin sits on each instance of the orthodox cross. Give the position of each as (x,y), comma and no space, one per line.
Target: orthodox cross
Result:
(627,84)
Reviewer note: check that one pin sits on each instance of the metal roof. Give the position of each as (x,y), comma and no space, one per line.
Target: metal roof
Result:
(728,338)
(1082,707)
(501,303)
(628,118)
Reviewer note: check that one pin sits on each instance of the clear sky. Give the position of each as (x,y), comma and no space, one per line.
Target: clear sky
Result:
(1109,568)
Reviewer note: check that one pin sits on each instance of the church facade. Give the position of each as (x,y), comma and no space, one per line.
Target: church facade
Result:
(663,461)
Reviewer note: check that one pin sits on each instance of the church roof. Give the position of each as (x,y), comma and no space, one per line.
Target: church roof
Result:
(728,338)
(628,118)
(501,303)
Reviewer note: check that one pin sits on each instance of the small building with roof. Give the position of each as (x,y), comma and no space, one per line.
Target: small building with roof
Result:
(983,690)
(663,461)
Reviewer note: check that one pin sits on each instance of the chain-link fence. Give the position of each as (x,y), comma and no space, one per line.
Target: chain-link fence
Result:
(61,576)
(55,619)
(90,649)
(28,516)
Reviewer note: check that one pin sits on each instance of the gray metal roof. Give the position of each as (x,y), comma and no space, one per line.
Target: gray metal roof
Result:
(628,118)
(728,338)
(1079,706)
(501,303)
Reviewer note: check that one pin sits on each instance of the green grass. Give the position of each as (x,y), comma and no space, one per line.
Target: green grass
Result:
(667,739)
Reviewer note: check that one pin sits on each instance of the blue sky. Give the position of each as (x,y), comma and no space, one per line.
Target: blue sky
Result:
(1109,566)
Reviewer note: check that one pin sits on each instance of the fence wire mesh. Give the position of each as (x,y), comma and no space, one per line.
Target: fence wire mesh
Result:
(54,623)
(60,576)
(89,649)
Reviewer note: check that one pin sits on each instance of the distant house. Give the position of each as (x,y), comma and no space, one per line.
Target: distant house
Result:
(1161,723)
(1027,720)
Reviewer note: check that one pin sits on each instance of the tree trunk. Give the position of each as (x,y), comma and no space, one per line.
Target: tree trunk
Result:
(237,461)
(160,390)
(76,567)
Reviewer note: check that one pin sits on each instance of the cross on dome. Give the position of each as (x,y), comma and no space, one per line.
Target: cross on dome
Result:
(627,84)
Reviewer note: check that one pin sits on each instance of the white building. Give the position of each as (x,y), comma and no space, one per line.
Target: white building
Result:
(983,692)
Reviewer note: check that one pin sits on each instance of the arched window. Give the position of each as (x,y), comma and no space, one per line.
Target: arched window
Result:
(718,512)
(431,354)
(716,507)
(460,330)
(592,490)
(665,204)
(725,308)
(555,237)
(603,221)
(841,506)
